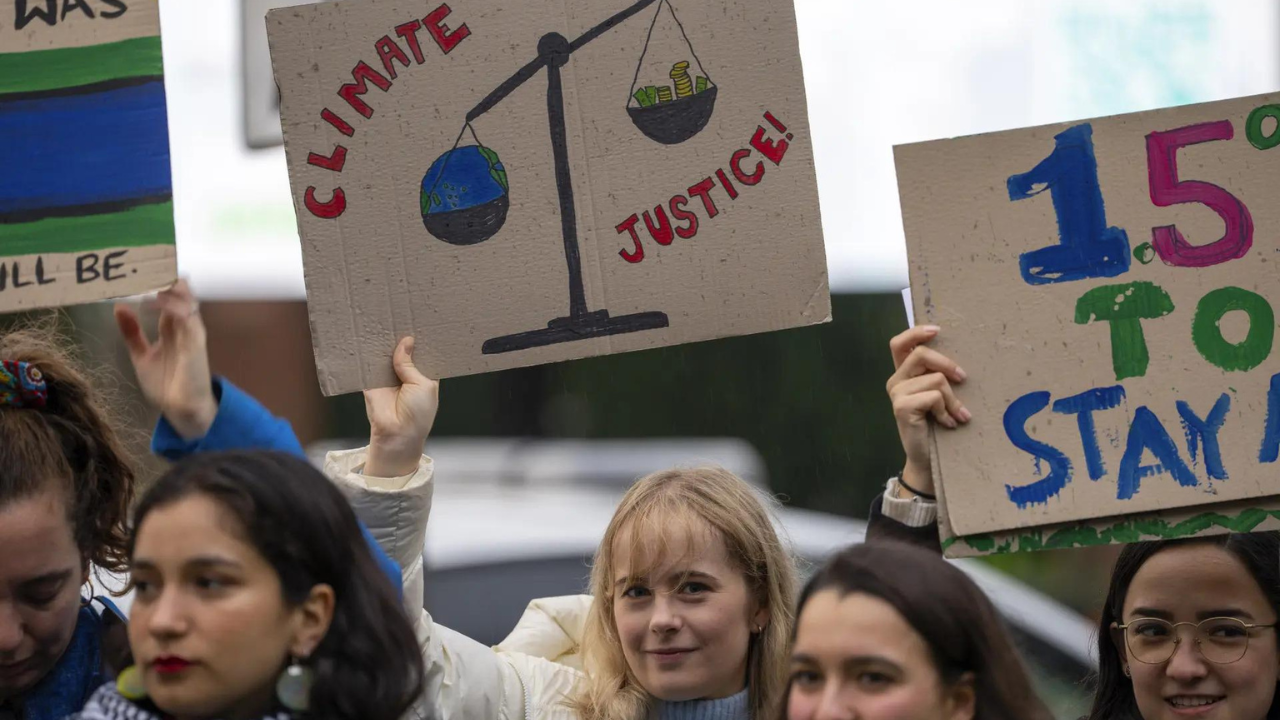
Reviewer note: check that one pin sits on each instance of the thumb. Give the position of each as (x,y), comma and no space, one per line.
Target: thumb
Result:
(131,330)
(402,360)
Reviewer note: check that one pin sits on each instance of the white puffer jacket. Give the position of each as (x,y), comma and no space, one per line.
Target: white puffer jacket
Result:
(528,676)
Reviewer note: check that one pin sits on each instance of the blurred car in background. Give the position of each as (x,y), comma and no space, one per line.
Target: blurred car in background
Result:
(515,519)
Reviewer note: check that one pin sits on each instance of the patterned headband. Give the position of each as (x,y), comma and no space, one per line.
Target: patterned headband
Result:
(22,385)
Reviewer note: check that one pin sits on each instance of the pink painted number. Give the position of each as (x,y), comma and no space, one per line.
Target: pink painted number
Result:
(1167,189)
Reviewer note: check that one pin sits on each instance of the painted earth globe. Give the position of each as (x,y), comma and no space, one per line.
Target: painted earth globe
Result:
(465,195)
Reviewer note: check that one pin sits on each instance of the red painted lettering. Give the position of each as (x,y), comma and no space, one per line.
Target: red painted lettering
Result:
(434,22)
(678,212)
(629,225)
(327,210)
(388,50)
(767,147)
(334,162)
(352,90)
(409,31)
(662,233)
(728,186)
(343,127)
(735,164)
(701,190)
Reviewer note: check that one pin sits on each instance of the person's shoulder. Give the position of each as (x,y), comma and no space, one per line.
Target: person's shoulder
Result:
(547,684)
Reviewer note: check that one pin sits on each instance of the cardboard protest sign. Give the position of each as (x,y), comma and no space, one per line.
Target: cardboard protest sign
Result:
(1241,516)
(86,201)
(1109,286)
(525,182)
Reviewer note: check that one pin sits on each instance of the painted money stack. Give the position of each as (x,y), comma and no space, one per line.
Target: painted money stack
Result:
(86,200)
(686,85)
(680,76)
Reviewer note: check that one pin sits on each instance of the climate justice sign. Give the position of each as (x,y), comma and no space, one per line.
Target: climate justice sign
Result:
(517,183)
(86,201)
(1111,286)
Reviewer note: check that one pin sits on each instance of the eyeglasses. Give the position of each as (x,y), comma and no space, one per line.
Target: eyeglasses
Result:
(1221,640)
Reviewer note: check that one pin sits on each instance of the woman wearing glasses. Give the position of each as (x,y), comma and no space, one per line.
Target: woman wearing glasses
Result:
(1189,627)
(1189,630)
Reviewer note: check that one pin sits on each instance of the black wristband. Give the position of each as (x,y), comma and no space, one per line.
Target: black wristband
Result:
(902,481)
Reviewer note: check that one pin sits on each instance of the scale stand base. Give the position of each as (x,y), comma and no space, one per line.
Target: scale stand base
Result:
(568,329)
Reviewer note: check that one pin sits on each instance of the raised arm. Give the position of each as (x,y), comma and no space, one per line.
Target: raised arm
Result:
(922,392)
(389,484)
(199,412)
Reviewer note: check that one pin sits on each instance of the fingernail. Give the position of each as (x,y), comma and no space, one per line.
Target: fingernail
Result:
(961,374)
(949,422)
(930,328)
(964,414)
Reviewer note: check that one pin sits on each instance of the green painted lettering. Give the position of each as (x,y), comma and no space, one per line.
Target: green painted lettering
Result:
(1125,306)
(1207,335)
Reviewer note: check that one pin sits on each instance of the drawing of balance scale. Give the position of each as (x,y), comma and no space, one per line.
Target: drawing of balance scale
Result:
(476,172)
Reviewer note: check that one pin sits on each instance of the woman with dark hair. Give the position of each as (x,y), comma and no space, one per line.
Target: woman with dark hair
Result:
(889,631)
(256,596)
(1189,629)
(66,485)
(1220,594)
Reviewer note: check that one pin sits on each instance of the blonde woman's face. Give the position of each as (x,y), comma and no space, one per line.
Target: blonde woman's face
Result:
(684,614)
(855,656)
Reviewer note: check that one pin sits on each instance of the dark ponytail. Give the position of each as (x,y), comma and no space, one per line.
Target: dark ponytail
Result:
(368,666)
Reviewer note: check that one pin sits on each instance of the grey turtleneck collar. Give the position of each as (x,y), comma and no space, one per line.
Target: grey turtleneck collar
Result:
(734,707)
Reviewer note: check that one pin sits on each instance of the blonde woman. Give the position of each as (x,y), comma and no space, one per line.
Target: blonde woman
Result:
(691,599)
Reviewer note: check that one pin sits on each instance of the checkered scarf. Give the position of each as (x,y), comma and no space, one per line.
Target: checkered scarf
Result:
(108,704)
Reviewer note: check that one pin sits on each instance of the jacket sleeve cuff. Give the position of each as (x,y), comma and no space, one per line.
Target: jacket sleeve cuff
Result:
(348,466)
(912,512)
(242,423)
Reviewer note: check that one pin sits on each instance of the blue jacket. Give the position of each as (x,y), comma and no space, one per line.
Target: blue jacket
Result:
(242,423)
(79,671)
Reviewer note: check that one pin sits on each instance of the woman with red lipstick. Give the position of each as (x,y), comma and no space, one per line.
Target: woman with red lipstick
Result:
(66,485)
(257,597)
(893,632)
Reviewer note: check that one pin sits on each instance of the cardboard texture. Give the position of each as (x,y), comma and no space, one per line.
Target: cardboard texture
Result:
(1244,516)
(1125,374)
(86,200)
(632,175)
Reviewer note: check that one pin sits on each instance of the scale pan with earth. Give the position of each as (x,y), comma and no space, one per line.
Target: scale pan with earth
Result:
(465,195)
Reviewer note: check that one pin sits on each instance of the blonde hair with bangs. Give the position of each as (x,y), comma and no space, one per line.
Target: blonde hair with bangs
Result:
(737,514)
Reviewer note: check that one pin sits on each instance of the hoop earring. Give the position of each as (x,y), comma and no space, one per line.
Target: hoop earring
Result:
(129,684)
(293,688)
(1127,671)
